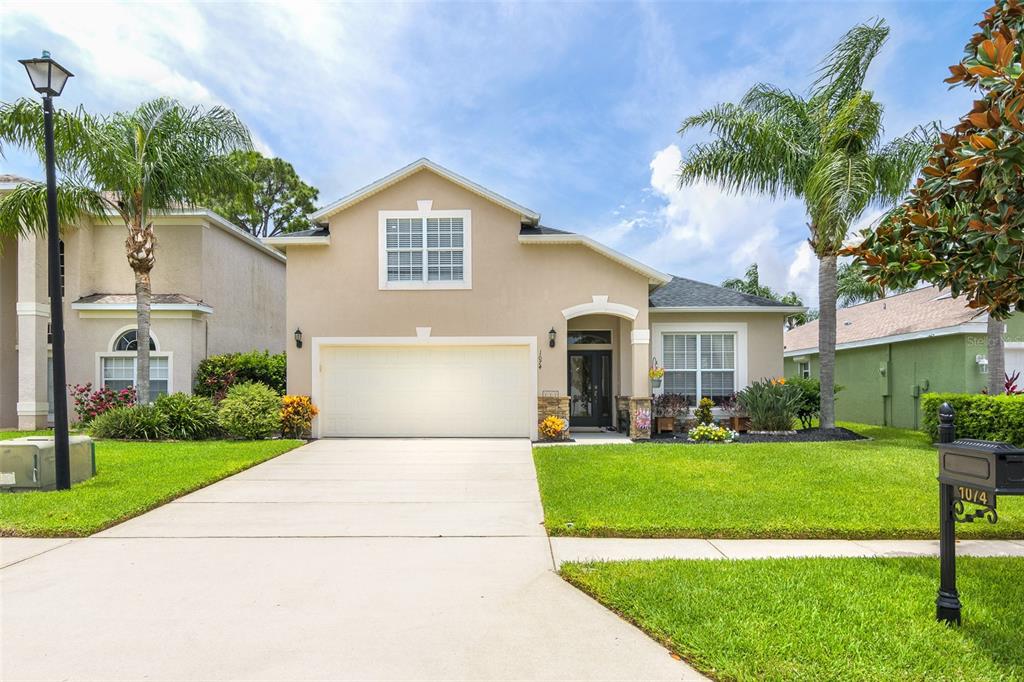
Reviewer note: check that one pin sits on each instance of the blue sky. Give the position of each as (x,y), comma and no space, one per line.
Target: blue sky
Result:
(570,109)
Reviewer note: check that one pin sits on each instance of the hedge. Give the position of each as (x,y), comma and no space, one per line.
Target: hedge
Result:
(999,417)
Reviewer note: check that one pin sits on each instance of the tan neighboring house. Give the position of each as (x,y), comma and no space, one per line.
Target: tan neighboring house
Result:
(429,305)
(216,290)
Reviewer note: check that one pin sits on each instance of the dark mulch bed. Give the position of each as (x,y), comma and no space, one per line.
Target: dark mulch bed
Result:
(802,436)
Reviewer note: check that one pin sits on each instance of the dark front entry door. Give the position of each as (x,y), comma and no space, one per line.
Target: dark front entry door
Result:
(590,388)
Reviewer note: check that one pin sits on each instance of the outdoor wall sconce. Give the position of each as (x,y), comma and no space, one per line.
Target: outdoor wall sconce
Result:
(982,362)
(551,337)
(298,337)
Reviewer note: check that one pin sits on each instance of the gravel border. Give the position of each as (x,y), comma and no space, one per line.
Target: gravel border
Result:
(802,436)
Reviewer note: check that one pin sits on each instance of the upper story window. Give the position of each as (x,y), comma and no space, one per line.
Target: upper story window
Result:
(425,249)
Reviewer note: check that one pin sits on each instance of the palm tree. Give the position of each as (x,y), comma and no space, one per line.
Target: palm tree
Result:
(824,148)
(853,286)
(750,283)
(131,165)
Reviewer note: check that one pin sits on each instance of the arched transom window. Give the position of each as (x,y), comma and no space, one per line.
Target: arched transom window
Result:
(130,341)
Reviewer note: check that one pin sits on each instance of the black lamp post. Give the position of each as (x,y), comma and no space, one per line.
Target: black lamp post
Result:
(48,78)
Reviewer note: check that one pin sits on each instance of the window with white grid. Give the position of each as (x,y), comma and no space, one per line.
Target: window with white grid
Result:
(119,372)
(425,249)
(700,365)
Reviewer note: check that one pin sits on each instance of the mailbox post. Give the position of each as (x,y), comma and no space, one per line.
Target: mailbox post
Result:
(971,472)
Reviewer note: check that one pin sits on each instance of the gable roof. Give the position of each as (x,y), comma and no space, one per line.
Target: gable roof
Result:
(549,235)
(688,294)
(528,215)
(928,311)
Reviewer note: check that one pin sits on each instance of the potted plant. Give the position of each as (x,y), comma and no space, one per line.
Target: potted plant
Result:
(656,373)
(667,407)
(738,419)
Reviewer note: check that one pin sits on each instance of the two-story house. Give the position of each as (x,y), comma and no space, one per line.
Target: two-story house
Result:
(216,289)
(429,305)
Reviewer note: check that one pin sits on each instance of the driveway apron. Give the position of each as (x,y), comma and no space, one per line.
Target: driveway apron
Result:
(343,559)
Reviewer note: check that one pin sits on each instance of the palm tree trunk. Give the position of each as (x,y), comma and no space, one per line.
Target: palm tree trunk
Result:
(827,338)
(996,356)
(143,299)
(140,246)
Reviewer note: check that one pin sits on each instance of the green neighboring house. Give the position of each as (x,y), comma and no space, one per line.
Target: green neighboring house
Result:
(889,352)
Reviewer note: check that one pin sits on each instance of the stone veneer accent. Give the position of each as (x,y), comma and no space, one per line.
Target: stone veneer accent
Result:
(636,405)
(556,405)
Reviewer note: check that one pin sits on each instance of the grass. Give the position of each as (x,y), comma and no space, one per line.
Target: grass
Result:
(880,488)
(8,435)
(131,478)
(821,619)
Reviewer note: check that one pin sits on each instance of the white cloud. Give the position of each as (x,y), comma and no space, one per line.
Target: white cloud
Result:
(700,231)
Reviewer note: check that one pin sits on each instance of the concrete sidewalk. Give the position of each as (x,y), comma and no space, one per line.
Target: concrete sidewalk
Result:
(622,549)
(386,559)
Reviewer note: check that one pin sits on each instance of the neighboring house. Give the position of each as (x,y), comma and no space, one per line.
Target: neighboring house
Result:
(216,289)
(889,352)
(431,306)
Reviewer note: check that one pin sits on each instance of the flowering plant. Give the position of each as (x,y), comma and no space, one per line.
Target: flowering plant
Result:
(90,404)
(709,433)
(297,412)
(655,371)
(553,427)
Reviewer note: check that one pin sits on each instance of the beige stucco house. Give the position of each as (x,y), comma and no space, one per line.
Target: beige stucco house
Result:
(431,306)
(216,290)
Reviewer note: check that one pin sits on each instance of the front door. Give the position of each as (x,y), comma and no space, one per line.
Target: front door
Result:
(590,388)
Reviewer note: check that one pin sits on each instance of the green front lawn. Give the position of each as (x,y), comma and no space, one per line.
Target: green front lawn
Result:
(821,619)
(8,435)
(880,488)
(131,478)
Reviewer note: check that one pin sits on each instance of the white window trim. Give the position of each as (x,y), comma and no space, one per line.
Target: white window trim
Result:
(737,328)
(467,251)
(800,369)
(134,354)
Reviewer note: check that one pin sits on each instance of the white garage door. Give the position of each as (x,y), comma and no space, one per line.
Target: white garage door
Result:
(423,391)
(1015,363)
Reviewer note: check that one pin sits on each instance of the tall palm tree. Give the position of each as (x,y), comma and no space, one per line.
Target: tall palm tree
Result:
(131,165)
(823,147)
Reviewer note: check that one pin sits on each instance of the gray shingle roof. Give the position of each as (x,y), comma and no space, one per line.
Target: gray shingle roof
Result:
(311,232)
(689,293)
(114,299)
(539,229)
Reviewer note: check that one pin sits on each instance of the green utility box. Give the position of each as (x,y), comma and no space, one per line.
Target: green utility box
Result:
(30,463)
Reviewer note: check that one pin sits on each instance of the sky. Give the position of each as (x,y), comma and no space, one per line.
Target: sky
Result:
(571,109)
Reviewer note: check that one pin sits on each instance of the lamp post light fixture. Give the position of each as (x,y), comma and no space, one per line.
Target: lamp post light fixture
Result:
(48,79)
(298,337)
(551,337)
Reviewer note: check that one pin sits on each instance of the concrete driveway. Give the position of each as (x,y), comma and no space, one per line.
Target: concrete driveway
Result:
(344,559)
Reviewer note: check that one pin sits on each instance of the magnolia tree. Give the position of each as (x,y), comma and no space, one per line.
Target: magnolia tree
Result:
(963,226)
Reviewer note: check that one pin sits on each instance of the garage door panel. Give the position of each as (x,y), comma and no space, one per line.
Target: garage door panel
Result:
(426,391)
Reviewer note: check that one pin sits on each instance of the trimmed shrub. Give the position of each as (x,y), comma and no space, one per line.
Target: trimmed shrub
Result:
(218,373)
(988,417)
(136,422)
(250,411)
(771,404)
(297,412)
(189,417)
(703,411)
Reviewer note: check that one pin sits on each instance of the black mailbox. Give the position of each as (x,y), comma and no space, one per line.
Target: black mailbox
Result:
(971,472)
(980,470)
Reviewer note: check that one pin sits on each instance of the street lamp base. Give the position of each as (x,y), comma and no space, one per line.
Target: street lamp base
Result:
(947,607)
